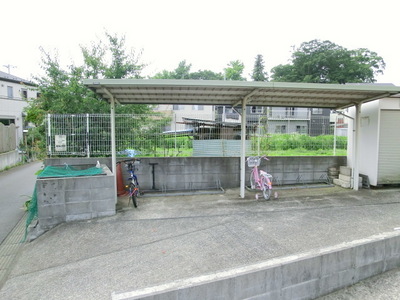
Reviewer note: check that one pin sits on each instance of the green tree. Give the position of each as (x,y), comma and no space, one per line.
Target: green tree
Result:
(325,62)
(258,71)
(206,75)
(62,92)
(234,70)
(183,72)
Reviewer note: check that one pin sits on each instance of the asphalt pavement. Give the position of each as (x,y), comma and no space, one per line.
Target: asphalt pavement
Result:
(177,237)
(16,186)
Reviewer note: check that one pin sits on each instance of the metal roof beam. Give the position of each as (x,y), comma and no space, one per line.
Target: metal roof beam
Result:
(110,95)
(380,96)
(246,98)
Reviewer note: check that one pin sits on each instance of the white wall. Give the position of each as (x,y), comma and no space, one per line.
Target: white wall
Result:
(368,152)
(13,108)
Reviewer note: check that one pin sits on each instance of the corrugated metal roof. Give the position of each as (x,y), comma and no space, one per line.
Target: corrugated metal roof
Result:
(216,92)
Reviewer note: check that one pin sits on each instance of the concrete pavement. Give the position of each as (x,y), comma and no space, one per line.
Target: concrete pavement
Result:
(174,238)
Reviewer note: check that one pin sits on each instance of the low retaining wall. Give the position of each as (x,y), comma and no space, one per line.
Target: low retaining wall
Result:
(9,159)
(304,276)
(197,173)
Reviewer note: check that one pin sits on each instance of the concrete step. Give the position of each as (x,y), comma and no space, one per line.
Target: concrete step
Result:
(346,184)
(345,170)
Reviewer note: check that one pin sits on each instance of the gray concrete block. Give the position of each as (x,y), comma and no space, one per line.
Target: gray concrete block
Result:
(369,253)
(337,261)
(369,270)
(77,195)
(73,208)
(50,198)
(270,295)
(78,217)
(102,194)
(49,211)
(220,289)
(301,271)
(392,247)
(101,214)
(50,222)
(95,182)
(99,206)
(345,170)
(336,281)
(251,284)
(392,262)
(304,290)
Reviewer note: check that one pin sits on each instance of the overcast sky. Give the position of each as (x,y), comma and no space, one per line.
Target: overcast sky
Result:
(207,34)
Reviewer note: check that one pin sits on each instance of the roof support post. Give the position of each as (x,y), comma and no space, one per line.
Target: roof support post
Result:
(113,143)
(243,149)
(356,142)
(243,141)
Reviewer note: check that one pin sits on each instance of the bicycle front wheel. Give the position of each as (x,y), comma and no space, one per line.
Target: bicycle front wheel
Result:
(252,181)
(266,188)
(132,195)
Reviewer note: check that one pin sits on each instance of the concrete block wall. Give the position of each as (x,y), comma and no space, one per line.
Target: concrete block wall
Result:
(186,173)
(74,198)
(300,169)
(193,173)
(304,276)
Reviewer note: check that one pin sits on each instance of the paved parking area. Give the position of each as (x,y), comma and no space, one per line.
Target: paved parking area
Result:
(176,237)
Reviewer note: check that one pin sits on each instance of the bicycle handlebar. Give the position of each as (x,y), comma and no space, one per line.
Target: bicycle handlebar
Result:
(260,156)
(128,160)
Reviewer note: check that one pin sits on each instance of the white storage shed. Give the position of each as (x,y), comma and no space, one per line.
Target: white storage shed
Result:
(379,141)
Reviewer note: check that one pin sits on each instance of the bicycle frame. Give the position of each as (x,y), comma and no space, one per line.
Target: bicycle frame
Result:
(133,185)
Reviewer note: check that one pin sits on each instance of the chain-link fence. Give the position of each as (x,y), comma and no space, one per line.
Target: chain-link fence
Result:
(172,134)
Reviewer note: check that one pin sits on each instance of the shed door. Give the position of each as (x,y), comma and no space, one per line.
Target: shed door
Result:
(389,147)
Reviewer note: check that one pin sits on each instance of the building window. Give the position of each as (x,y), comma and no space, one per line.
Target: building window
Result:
(10,92)
(197,107)
(301,129)
(256,109)
(317,111)
(177,107)
(24,94)
(289,111)
(280,129)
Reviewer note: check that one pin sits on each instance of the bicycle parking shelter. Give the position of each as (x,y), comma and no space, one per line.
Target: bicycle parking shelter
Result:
(240,94)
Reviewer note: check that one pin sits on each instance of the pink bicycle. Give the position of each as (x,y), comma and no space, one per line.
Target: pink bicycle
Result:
(259,179)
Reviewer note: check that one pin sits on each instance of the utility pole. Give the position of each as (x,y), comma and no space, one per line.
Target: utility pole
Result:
(9,67)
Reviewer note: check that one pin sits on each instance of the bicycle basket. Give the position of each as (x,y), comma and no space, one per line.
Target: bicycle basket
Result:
(253,161)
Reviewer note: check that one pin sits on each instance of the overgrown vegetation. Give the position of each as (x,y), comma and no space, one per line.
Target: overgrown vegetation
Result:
(284,142)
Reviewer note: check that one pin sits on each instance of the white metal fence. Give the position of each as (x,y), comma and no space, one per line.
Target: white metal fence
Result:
(189,135)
